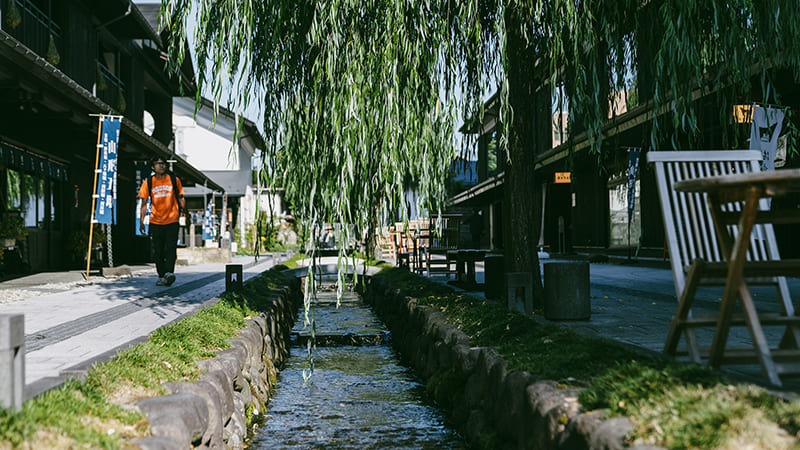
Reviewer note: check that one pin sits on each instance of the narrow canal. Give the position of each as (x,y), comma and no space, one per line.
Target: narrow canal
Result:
(359,396)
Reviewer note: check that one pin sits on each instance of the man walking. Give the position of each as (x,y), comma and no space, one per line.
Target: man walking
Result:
(165,191)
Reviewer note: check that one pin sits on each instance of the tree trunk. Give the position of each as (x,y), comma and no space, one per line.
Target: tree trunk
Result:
(522,205)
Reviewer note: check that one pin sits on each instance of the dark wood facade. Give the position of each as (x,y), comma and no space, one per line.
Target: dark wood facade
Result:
(62,62)
(578,215)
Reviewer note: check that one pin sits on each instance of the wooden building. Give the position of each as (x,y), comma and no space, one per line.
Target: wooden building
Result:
(62,62)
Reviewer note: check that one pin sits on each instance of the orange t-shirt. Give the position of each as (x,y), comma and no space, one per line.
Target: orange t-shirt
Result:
(164,209)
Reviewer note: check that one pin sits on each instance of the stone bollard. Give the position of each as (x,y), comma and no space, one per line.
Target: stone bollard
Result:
(465,264)
(566,291)
(471,257)
(520,292)
(461,266)
(233,277)
(452,258)
(493,276)
(12,360)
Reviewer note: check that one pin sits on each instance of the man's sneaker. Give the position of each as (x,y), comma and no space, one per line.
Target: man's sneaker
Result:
(161,282)
(169,278)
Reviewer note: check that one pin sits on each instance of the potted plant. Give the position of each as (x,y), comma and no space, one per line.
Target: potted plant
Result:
(12,228)
(78,243)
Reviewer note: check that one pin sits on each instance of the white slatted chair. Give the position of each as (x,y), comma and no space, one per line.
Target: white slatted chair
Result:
(694,251)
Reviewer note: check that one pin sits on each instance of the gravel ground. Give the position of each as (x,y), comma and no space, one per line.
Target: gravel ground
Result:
(16,294)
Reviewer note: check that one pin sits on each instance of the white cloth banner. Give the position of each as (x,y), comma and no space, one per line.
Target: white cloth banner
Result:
(209,230)
(764,132)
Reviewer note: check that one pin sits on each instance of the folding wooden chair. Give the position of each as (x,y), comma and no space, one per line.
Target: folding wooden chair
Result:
(695,253)
(385,243)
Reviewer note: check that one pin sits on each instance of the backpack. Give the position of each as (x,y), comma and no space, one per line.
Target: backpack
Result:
(174,180)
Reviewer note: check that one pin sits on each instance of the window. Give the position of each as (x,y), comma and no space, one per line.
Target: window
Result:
(560,115)
(30,203)
(491,154)
(30,196)
(14,190)
(624,77)
(41,201)
(618,213)
(55,194)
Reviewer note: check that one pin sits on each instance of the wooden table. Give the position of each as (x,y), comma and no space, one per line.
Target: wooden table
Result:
(748,189)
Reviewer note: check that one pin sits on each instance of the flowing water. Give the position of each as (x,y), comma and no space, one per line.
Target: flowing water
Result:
(359,396)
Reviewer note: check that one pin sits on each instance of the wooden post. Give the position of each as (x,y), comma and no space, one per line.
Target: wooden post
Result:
(12,361)
(94,195)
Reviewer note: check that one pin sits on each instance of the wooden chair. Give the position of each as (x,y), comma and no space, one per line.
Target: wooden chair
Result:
(695,253)
(385,242)
(442,244)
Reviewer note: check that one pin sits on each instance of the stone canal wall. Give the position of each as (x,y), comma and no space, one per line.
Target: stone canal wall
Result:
(214,411)
(489,405)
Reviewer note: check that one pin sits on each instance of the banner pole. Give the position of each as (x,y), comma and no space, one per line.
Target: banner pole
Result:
(94,199)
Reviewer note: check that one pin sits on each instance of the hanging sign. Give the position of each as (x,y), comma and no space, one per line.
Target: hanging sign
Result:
(764,132)
(208,221)
(563,177)
(633,169)
(106,206)
(142,171)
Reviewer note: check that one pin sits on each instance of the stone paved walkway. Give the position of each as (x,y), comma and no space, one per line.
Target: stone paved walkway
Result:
(70,324)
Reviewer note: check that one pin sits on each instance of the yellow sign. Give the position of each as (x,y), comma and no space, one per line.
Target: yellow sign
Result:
(743,113)
(563,177)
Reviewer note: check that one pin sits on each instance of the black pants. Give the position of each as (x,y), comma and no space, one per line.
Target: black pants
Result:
(165,242)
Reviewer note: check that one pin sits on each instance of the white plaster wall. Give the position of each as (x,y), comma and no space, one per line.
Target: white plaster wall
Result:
(247,208)
(204,144)
(208,147)
(248,205)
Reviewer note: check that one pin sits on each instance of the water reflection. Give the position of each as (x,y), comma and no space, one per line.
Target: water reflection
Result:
(358,397)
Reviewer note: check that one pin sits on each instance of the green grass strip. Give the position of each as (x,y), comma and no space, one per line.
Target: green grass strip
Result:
(671,404)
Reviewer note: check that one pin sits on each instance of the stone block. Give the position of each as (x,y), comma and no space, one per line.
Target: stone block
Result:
(212,435)
(611,433)
(566,291)
(493,270)
(155,443)
(227,364)
(12,360)
(233,277)
(520,292)
(118,271)
(183,418)
(202,255)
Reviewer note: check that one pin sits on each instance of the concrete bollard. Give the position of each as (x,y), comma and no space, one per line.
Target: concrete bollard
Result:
(233,277)
(493,276)
(566,291)
(12,360)
(520,292)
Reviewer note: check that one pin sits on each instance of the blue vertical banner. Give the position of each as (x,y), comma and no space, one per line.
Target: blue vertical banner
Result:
(208,221)
(142,171)
(106,206)
(633,170)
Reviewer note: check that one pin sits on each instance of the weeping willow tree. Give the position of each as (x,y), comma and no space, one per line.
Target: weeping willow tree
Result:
(361,97)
